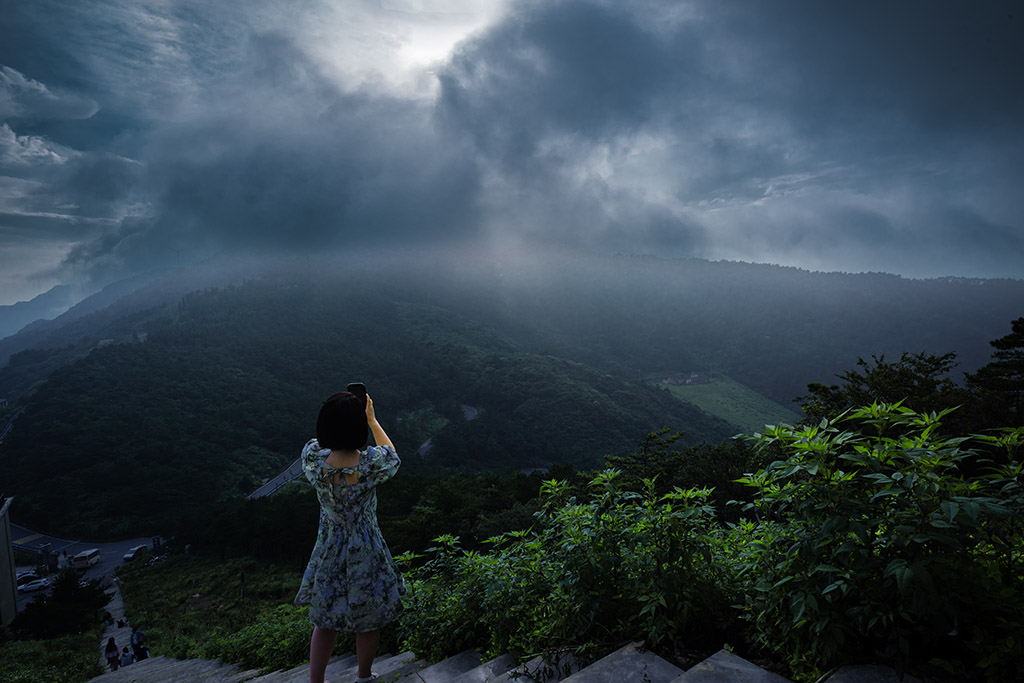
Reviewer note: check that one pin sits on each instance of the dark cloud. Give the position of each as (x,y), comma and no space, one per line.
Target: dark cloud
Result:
(786,115)
(294,163)
(585,69)
(823,135)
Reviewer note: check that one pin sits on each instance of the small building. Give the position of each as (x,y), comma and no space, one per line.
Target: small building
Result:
(3,402)
(8,580)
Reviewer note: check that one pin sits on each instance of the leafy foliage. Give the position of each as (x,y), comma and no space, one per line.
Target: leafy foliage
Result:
(619,565)
(872,537)
(873,544)
(277,638)
(920,380)
(68,607)
(668,465)
(57,634)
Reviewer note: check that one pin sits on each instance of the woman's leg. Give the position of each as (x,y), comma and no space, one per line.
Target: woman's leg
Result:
(366,650)
(321,645)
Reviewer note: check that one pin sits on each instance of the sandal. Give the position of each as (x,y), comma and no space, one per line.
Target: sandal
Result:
(368,679)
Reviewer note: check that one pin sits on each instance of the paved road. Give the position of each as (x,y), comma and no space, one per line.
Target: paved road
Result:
(10,423)
(290,473)
(110,553)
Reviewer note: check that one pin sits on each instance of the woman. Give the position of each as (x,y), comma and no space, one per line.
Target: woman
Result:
(112,654)
(351,582)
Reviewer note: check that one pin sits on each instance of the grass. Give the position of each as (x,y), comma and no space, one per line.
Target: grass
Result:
(67,659)
(237,610)
(185,602)
(735,403)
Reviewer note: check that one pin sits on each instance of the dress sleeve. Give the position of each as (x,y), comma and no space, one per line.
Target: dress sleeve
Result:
(383,463)
(311,459)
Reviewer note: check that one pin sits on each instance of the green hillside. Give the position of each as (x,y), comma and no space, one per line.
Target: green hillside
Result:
(735,403)
(225,388)
(168,400)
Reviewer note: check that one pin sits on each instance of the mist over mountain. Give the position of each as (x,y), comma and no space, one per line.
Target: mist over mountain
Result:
(47,305)
(195,386)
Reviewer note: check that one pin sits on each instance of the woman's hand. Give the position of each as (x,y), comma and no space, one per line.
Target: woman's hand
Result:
(370,417)
(379,435)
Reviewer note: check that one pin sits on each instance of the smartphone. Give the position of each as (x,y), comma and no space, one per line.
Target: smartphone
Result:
(357,388)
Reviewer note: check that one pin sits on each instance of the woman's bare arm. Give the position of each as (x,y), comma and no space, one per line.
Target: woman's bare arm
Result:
(379,435)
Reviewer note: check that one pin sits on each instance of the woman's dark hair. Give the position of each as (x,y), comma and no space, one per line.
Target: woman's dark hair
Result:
(341,424)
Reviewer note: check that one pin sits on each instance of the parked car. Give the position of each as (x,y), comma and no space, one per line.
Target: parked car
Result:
(130,555)
(34,585)
(25,577)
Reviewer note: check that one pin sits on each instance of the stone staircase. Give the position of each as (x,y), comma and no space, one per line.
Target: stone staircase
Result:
(629,663)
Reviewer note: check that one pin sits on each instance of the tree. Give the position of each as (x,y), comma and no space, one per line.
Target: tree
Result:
(72,606)
(1000,384)
(716,466)
(919,380)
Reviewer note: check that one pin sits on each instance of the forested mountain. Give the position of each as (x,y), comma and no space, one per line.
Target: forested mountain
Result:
(194,398)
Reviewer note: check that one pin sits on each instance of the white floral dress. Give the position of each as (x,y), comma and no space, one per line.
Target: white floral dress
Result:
(351,582)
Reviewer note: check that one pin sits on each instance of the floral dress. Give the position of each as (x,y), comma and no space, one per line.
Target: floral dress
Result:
(351,582)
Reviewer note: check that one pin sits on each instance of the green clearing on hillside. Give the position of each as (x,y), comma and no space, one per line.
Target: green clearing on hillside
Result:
(734,403)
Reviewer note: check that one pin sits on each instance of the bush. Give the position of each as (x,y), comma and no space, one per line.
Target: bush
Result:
(872,544)
(278,638)
(70,607)
(623,565)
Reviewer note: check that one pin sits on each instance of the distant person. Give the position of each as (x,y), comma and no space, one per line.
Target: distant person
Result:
(351,582)
(136,642)
(112,654)
(127,657)
(108,619)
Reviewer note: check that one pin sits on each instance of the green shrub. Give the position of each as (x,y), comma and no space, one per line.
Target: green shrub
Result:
(278,638)
(873,544)
(69,607)
(621,565)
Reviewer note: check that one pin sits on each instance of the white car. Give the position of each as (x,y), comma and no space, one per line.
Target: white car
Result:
(25,577)
(34,585)
(130,555)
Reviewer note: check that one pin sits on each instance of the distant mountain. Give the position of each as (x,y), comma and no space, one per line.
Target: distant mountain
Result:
(46,306)
(115,312)
(196,385)
(772,328)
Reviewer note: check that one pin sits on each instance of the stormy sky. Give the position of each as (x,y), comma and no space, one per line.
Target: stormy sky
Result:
(853,137)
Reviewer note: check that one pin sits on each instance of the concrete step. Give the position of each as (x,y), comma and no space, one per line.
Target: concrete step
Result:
(725,667)
(543,669)
(488,671)
(629,663)
(165,670)
(448,669)
(344,669)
